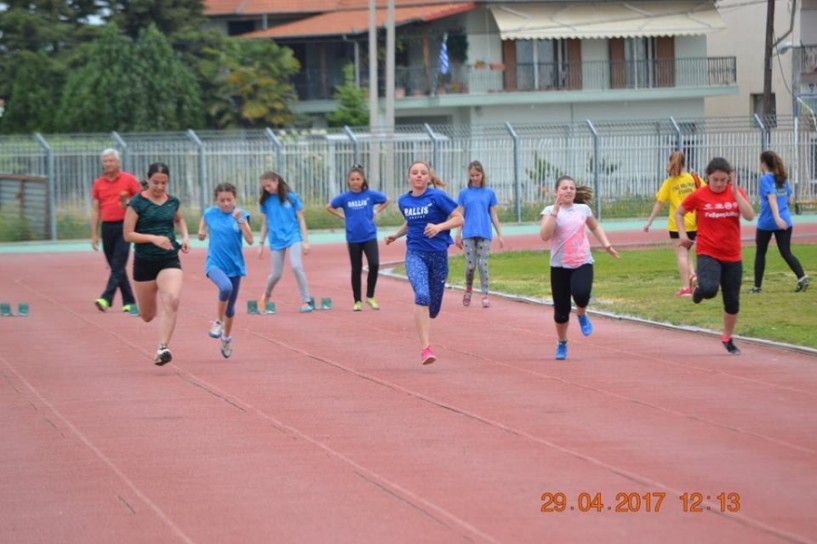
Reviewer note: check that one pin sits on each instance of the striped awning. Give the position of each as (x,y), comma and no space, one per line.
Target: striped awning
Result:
(605,20)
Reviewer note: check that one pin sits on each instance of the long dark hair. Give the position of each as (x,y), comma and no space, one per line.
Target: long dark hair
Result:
(158,168)
(283,188)
(775,165)
(584,194)
(718,164)
(359,169)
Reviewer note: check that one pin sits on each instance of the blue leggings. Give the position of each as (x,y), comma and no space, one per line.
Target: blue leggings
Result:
(227,288)
(427,272)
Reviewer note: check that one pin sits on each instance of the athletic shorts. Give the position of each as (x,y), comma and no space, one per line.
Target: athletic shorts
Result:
(149,270)
(691,234)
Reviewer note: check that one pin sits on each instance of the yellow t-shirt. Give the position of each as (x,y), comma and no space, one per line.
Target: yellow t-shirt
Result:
(673,191)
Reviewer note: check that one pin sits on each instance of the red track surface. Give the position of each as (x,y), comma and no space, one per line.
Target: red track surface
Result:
(325,427)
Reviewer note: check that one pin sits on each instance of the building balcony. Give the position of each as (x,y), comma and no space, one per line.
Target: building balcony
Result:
(480,80)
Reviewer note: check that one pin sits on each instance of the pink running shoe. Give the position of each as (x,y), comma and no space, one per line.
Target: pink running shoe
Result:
(426,356)
(685,292)
(485,302)
(466,299)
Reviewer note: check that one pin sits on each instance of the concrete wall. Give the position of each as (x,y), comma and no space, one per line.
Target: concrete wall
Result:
(744,39)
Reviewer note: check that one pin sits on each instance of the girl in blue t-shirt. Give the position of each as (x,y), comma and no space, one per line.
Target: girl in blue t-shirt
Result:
(358,207)
(283,220)
(430,215)
(774,218)
(228,226)
(478,205)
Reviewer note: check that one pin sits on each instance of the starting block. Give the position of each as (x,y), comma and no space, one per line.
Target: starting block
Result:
(252,308)
(326,303)
(5,309)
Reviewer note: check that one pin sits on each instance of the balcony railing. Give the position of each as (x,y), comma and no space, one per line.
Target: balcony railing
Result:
(422,81)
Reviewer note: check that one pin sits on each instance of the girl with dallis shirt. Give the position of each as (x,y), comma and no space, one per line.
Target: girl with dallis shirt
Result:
(430,215)
(719,206)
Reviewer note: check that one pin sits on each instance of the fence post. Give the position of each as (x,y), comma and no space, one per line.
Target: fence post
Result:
(121,143)
(353,138)
(435,153)
(52,184)
(679,143)
(279,150)
(596,152)
(764,133)
(202,168)
(517,182)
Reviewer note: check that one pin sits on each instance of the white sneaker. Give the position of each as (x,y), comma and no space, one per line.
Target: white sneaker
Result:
(216,329)
(226,347)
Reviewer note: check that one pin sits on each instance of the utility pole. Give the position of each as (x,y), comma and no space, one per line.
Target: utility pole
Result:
(374,106)
(767,59)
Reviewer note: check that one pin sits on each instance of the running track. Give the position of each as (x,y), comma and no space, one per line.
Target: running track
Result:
(325,428)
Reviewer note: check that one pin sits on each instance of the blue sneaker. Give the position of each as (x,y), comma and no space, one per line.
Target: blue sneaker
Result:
(561,350)
(587,327)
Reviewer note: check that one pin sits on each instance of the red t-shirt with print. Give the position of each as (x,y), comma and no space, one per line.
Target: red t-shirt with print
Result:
(111,192)
(718,223)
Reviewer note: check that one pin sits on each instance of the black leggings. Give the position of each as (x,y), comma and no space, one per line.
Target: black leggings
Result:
(356,251)
(783,239)
(567,283)
(712,274)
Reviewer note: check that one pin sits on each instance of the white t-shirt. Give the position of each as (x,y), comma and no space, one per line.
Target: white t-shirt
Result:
(569,246)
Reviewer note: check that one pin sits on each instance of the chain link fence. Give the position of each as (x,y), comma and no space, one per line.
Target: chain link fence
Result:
(622,161)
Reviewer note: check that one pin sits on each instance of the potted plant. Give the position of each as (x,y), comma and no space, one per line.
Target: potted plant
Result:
(480,65)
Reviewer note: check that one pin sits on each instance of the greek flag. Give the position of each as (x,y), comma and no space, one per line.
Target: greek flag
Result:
(444,55)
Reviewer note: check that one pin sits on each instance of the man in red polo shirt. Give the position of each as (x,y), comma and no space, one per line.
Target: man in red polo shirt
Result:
(109,198)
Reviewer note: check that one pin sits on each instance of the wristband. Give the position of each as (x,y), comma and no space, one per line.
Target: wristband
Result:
(241,221)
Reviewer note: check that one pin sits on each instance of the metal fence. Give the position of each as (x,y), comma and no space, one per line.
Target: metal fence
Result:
(619,160)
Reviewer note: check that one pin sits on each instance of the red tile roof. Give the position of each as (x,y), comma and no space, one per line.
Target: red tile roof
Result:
(357,21)
(261,7)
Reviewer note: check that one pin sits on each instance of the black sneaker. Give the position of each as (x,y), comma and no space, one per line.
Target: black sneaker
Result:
(802,284)
(754,290)
(163,356)
(731,347)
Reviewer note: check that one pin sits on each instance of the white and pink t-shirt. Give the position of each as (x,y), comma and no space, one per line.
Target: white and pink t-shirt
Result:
(569,246)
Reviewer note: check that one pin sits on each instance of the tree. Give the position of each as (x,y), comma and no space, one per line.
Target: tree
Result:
(34,95)
(249,84)
(170,17)
(53,28)
(353,109)
(131,86)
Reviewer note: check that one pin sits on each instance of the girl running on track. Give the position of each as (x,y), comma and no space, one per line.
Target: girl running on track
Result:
(571,263)
(674,190)
(157,272)
(283,220)
(357,207)
(430,215)
(478,206)
(719,205)
(229,227)
(775,219)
